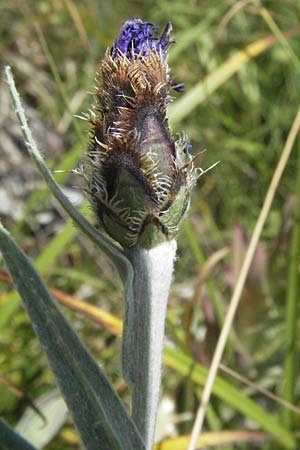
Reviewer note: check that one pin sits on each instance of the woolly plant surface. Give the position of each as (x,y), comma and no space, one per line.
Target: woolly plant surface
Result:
(98,413)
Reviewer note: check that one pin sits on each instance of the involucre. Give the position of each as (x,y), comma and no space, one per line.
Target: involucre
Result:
(138,178)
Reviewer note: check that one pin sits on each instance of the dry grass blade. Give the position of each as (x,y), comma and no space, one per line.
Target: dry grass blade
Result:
(74,13)
(290,372)
(183,107)
(280,36)
(22,395)
(199,290)
(215,438)
(235,8)
(241,280)
(257,388)
(112,323)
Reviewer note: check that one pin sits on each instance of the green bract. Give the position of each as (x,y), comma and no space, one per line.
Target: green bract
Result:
(138,178)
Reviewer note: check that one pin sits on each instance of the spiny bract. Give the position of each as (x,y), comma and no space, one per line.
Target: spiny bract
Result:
(138,178)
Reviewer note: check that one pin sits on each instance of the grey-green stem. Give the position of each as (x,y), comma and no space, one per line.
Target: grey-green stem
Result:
(143,337)
(112,251)
(146,298)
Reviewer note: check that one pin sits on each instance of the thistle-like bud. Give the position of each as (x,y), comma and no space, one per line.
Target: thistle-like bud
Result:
(139,179)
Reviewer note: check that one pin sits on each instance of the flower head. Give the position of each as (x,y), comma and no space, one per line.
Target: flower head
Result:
(138,178)
(136,38)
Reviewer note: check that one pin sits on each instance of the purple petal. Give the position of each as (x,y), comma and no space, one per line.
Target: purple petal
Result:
(179,87)
(138,37)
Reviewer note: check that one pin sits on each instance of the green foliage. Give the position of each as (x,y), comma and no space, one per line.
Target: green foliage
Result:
(186,367)
(98,413)
(10,440)
(243,123)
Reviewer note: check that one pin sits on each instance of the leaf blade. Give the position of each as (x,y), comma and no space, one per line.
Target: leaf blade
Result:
(10,440)
(98,413)
(222,389)
(204,88)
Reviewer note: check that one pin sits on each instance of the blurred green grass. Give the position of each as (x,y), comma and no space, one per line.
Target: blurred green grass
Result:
(243,123)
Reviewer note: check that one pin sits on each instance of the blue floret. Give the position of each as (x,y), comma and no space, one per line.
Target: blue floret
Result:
(138,37)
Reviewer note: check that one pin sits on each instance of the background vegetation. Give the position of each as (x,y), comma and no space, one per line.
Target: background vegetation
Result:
(240,113)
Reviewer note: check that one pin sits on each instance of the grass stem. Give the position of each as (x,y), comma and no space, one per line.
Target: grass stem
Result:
(292,297)
(242,278)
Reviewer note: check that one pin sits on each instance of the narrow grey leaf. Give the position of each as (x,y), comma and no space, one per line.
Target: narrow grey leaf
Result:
(98,413)
(10,440)
(111,250)
(38,431)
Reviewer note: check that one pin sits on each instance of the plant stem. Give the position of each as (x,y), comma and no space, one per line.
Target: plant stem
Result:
(292,296)
(112,251)
(144,331)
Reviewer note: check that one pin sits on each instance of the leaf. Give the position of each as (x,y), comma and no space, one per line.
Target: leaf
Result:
(215,438)
(40,195)
(10,440)
(40,432)
(22,395)
(98,413)
(291,315)
(184,365)
(204,88)
(98,315)
(112,251)
(44,262)
(222,389)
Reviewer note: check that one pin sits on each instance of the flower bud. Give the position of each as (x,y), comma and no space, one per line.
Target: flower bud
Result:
(138,178)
